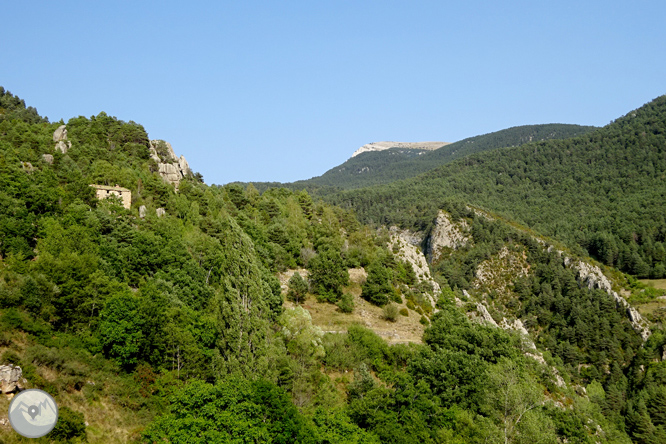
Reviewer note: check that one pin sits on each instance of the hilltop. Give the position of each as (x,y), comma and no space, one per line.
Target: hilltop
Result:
(381,146)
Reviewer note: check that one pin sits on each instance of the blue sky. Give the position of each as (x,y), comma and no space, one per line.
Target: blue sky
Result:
(285,90)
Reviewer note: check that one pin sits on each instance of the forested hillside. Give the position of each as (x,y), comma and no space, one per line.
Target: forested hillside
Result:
(383,167)
(602,191)
(172,326)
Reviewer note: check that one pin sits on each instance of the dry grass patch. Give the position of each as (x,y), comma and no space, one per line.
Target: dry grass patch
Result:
(331,320)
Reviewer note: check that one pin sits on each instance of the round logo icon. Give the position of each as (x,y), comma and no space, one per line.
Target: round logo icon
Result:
(33,413)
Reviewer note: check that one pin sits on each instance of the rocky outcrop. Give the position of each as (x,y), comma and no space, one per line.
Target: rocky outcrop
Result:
(10,377)
(27,167)
(406,244)
(171,167)
(60,133)
(593,277)
(445,234)
(485,315)
(60,137)
(381,146)
(501,270)
(529,349)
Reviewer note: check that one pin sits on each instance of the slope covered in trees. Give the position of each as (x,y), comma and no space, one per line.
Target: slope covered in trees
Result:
(387,166)
(602,191)
(174,329)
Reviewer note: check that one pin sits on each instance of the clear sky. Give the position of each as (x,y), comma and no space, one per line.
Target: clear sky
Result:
(285,90)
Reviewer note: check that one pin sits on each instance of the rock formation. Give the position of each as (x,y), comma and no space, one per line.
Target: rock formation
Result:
(60,137)
(445,234)
(407,245)
(10,377)
(171,167)
(593,277)
(142,211)
(48,158)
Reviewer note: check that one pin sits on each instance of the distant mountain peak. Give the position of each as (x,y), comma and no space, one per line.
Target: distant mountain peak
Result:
(381,146)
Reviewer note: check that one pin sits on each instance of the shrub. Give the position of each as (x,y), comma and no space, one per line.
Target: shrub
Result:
(404,312)
(70,425)
(346,303)
(424,321)
(298,288)
(10,357)
(390,312)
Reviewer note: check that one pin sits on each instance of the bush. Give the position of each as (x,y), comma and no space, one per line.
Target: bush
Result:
(346,303)
(70,425)
(410,305)
(390,312)
(298,288)
(10,357)
(424,321)
(404,312)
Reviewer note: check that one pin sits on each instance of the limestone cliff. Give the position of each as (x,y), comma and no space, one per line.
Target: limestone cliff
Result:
(446,234)
(407,248)
(171,167)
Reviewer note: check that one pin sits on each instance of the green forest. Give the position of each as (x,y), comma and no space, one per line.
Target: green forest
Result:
(375,168)
(176,328)
(601,192)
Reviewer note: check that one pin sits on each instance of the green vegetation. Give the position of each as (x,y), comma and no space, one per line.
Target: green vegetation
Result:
(601,192)
(173,328)
(374,168)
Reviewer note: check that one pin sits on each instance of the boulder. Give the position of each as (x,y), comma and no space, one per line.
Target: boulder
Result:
(142,211)
(60,133)
(160,212)
(9,378)
(63,146)
(48,158)
(27,166)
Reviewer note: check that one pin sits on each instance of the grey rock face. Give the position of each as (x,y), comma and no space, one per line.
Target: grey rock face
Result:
(9,378)
(446,234)
(60,133)
(483,312)
(60,137)
(406,244)
(170,172)
(142,211)
(63,146)
(184,166)
(171,167)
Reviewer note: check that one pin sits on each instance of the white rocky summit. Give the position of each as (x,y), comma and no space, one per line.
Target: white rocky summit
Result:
(381,146)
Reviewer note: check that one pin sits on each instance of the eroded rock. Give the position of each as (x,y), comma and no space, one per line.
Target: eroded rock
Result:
(593,277)
(446,234)
(10,377)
